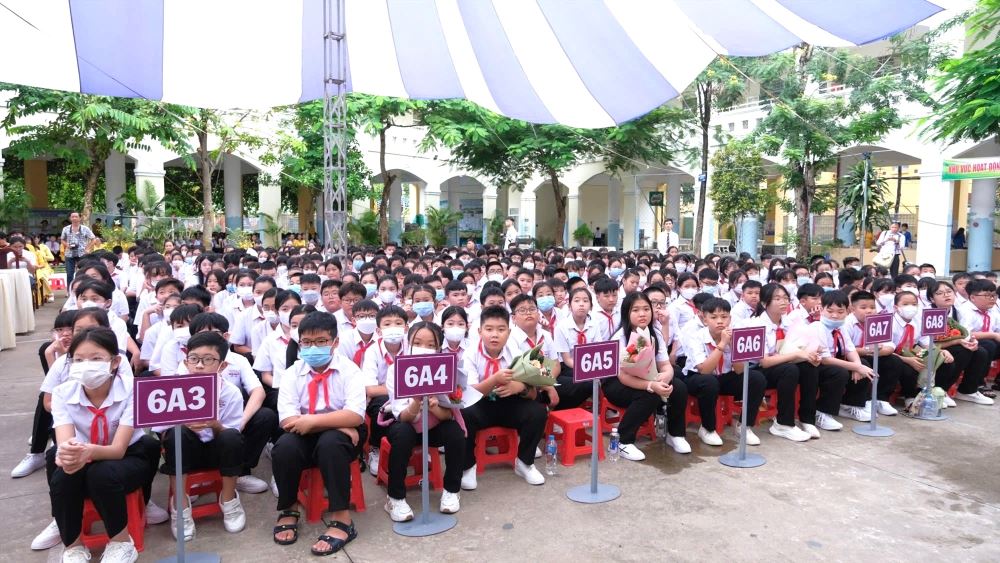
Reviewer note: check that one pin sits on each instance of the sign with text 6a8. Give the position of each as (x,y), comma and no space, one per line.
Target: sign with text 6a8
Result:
(748,343)
(595,361)
(935,321)
(175,399)
(424,374)
(877,329)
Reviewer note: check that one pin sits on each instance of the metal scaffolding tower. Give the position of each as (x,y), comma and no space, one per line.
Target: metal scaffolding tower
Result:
(334,204)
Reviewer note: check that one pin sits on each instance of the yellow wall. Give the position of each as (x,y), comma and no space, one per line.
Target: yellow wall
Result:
(307,214)
(36,183)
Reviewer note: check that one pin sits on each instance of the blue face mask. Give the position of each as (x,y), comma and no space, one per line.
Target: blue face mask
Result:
(572,275)
(357,264)
(296,288)
(831,324)
(189,260)
(802,280)
(456,273)
(439,294)
(545,303)
(370,288)
(316,356)
(829,289)
(423,308)
(231,287)
(615,272)
(310,297)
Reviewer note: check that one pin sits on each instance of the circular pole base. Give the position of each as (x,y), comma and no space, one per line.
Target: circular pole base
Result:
(878,432)
(605,493)
(937,418)
(195,557)
(732,459)
(426,524)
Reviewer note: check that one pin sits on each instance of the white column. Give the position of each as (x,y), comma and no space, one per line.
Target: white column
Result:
(614,212)
(396,211)
(630,217)
(527,213)
(149,180)
(114,182)
(982,204)
(673,205)
(934,217)
(572,214)
(489,207)
(232,179)
(268,201)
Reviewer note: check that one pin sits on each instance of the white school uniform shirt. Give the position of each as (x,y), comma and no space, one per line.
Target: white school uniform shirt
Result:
(770,331)
(699,345)
(230,411)
(70,402)
(731,297)
(238,372)
(828,347)
(272,355)
(343,324)
(683,310)
(519,341)
(474,362)
(566,334)
(345,389)
(246,323)
(144,299)
(899,327)
(150,339)
(662,355)
(853,330)
(608,325)
(259,333)
(59,373)
(164,338)
(232,309)
(376,363)
(798,315)
(974,320)
(351,342)
(741,313)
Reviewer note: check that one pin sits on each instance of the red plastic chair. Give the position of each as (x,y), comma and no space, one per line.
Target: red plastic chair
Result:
(312,493)
(608,421)
(203,483)
(136,526)
(724,409)
(434,467)
(574,423)
(503,439)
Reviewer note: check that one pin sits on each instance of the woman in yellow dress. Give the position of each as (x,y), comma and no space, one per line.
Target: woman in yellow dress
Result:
(44,258)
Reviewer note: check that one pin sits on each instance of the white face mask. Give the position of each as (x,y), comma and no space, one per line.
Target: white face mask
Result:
(182,334)
(421,351)
(92,374)
(294,334)
(907,312)
(366,325)
(495,277)
(393,334)
(454,333)
(886,300)
(271,317)
(167,313)
(88,305)
(689,293)
(284,317)
(388,297)
(245,292)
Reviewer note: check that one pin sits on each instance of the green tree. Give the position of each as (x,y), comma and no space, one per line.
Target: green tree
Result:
(375,115)
(439,222)
(511,151)
(854,184)
(969,107)
(84,129)
(736,183)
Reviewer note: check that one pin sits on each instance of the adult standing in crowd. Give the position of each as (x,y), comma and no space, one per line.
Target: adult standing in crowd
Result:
(894,239)
(510,235)
(77,239)
(667,236)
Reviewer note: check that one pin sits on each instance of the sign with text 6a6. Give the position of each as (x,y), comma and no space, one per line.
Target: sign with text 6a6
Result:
(748,343)
(175,399)
(425,374)
(595,361)
(935,322)
(877,329)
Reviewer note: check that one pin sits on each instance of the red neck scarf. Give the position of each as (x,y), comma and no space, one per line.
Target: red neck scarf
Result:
(359,354)
(722,360)
(99,429)
(907,341)
(319,381)
(492,364)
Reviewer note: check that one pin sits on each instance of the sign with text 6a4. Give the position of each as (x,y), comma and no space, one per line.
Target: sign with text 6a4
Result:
(595,361)
(175,399)
(424,374)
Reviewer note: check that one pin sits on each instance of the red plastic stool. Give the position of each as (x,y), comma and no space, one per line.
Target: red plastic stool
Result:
(503,439)
(608,421)
(724,409)
(573,422)
(203,483)
(312,493)
(136,526)
(434,467)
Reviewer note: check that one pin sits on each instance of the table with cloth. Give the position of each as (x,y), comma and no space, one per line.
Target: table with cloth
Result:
(16,313)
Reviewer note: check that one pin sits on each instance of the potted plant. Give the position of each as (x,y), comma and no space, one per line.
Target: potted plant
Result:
(439,222)
(583,235)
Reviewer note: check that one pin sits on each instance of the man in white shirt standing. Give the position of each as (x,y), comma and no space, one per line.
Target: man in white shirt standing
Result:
(667,237)
(510,233)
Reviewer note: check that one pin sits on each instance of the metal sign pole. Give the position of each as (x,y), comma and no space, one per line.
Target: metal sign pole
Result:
(741,458)
(594,492)
(426,523)
(180,489)
(871,429)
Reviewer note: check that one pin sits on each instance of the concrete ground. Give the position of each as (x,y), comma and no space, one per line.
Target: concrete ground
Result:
(932,489)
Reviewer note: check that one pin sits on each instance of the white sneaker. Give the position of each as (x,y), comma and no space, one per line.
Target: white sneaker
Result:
(679,444)
(274,487)
(884,408)
(28,465)
(949,402)
(538,452)
(234,518)
(120,552)
(250,484)
(76,554)
(810,430)
(469,482)
(155,514)
(827,422)
(373,460)
(711,438)
(188,522)
(861,414)
(449,503)
(398,510)
(752,439)
(976,397)
(789,432)
(47,538)
(267,449)
(529,473)
(630,452)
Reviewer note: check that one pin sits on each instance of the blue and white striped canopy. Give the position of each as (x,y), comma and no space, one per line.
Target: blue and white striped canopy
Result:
(586,63)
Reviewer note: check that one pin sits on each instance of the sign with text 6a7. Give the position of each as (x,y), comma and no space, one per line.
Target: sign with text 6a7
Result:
(595,361)
(877,329)
(935,322)
(424,374)
(175,399)
(748,343)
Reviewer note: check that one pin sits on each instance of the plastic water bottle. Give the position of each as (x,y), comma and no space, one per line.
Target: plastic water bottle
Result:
(928,406)
(613,442)
(550,455)
(661,425)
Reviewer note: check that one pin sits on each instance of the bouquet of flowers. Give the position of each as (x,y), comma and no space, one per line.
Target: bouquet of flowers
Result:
(532,368)
(640,356)
(801,337)
(956,333)
(464,395)
(930,357)
(938,394)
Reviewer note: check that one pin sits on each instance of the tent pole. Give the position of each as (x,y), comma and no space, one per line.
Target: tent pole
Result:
(334,130)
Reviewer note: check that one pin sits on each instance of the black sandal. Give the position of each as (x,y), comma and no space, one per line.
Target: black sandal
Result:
(286,527)
(336,544)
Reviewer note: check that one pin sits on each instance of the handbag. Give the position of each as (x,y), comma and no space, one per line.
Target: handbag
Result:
(884,257)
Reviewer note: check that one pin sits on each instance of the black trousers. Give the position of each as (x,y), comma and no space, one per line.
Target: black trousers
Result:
(571,395)
(527,416)
(975,366)
(256,434)
(224,452)
(894,266)
(832,383)
(330,450)
(784,378)
(857,393)
(641,404)
(707,388)
(808,388)
(403,437)
(41,427)
(377,432)
(105,483)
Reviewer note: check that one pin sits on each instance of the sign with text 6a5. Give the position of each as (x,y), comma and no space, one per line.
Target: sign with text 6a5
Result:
(175,399)
(424,374)
(748,343)
(595,361)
